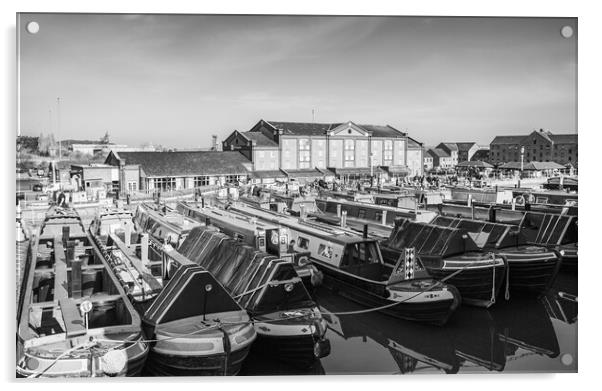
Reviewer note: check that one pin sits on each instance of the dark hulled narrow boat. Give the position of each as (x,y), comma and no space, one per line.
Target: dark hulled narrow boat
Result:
(444,251)
(74,317)
(556,231)
(288,322)
(264,236)
(197,327)
(353,266)
(532,268)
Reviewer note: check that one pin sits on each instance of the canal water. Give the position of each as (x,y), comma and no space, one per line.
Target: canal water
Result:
(521,335)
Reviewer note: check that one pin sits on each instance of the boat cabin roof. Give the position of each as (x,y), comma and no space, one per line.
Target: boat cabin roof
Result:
(309,227)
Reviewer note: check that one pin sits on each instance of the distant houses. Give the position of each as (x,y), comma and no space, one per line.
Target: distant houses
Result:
(538,146)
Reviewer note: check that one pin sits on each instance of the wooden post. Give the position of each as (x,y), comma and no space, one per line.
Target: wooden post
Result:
(144,248)
(76,278)
(343,218)
(383,219)
(338,210)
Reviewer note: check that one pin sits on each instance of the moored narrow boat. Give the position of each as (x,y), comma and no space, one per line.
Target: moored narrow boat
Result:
(264,236)
(531,268)
(74,317)
(449,253)
(195,325)
(353,265)
(288,323)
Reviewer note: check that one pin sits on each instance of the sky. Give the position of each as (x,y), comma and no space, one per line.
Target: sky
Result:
(175,80)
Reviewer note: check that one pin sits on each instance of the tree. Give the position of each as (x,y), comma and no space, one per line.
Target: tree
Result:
(105,139)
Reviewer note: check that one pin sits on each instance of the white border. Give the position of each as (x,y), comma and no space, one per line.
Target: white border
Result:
(589,116)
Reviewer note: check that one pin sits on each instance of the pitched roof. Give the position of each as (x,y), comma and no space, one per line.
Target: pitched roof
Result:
(475,163)
(438,152)
(532,166)
(508,139)
(320,129)
(413,143)
(450,146)
(260,139)
(188,163)
(564,138)
(302,128)
(481,154)
(465,146)
(382,131)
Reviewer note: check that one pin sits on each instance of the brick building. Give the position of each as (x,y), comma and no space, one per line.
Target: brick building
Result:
(539,145)
(316,149)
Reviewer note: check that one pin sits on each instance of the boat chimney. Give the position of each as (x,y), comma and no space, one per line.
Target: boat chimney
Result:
(128,235)
(65,237)
(365,231)
(76,278)
(302,212)
(144,248)
(469,200)
(343,219)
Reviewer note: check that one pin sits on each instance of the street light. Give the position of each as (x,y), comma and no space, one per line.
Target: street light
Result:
(522,156)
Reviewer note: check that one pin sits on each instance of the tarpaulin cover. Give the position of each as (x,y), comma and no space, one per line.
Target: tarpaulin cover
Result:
(193,299)
(429,239)
(549,229)
(485,234)
(241,268)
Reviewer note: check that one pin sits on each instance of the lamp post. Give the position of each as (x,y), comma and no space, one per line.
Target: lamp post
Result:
(372,169)
(522,156)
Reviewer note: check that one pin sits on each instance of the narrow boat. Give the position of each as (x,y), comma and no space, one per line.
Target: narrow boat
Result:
(190,339)
(383,214)
(531,268)
(74,317)
(446,252)
(353,265)
(288,322)
(264,236)
(556,231)
(163,225)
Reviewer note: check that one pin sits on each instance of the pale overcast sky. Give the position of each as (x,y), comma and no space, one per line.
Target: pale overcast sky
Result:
(177,79)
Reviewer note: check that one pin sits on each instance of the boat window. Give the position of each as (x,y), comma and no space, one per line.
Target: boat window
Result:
(378,216)
(362,214)
(360,254)
(303,243)
(325,251)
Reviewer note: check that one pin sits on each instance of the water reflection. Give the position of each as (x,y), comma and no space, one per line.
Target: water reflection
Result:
(515,336)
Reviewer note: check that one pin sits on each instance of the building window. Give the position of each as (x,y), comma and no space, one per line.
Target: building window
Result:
(388,153)
(165,184)
(349,153)
(132,186)
(304,153)
(201,181)
(231,178)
